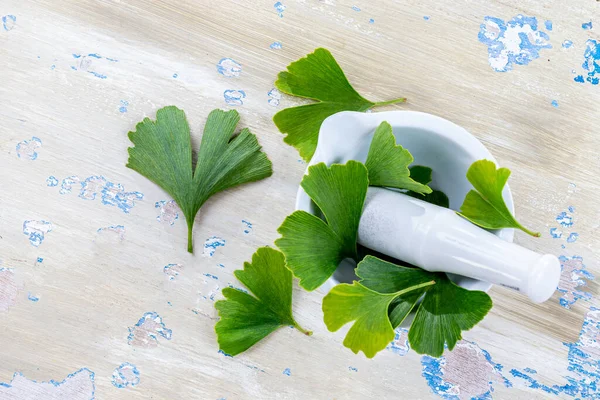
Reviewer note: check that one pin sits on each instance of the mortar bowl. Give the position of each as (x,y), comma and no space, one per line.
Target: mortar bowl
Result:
(433,141)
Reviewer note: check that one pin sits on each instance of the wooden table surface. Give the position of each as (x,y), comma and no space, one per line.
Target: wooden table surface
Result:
(87,307)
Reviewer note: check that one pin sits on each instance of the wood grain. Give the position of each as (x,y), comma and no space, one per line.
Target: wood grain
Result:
(93,288)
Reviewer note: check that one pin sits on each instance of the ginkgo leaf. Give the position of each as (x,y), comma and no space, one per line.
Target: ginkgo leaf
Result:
(423,175)
(246,319)
(318,77)
(388,162)
(162,152)
(314,248)
(387,277)
(444,312)
(372,330)
(485,206)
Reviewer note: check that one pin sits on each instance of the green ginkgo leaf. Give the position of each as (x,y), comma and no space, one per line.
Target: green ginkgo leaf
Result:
(485,206)
(313,247)
(246,319)
(388,162)
(162,152)
(372,330)
(423,175)
(318,77)
(444,312)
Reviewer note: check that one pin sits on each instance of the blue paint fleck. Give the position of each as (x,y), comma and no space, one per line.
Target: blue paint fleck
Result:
(352,369)
(371,21)
(554,103)
(225,354)
(276,46)
(567,44)
(148,329)
(229,67)
(76,55)
(234,97)
(97,75)
(32,297)
(9,22)
(123,107)
(548,25)
(40,260)
(280,8)
(434,370)
(112,194)
(172,270)
(571,209)
(591,63)
(169,211)
(274,97)
(175,75)
(426,17)
(572,281)
(211,276)
(125,375)
(533,383)
(516,42)
(67,183)
(211,244)
(530,371)
(355,8)
(587,25)
(94,55)
(555,233)
(169,303)
(573,237)
(36,230)
(400,343)
(236,288)
(73,68)
(51,181)
(220,266)
(564,219)
(52,67)
(54,383)
(27,149)
(287,372)
(247,226)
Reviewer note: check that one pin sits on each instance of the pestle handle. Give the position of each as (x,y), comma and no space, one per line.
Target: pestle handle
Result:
(437,239)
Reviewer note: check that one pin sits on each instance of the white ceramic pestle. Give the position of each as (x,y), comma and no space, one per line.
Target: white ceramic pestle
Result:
(437,239)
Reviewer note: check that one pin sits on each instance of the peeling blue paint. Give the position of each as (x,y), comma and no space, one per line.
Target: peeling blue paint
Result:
(9,22)
(516,42)
(234,97)
(229,67)
(279,8)
(591,63)
(125,375)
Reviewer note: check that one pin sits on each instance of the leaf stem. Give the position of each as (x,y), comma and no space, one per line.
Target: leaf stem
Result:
(301,329)
(415,287)
(532,233)
(386,103)
(190,239)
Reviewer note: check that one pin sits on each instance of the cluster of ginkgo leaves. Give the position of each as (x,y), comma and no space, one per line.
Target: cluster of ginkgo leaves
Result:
(312,247)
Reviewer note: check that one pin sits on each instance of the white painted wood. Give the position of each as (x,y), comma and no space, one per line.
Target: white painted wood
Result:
(92,287)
